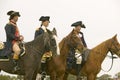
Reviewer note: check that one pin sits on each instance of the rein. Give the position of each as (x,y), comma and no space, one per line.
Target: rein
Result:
(112,57)
(111,64)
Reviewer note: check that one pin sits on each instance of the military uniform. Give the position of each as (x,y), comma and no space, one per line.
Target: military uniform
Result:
(12,37)
(41,29)
(77,55)
(82,35)
(10,34)
(38,32)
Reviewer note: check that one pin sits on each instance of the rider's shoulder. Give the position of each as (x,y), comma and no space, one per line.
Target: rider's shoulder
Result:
(8,25)
(37,29)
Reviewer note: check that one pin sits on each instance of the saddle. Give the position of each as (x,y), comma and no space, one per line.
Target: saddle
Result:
(5,52)
(75,59)
(22,49)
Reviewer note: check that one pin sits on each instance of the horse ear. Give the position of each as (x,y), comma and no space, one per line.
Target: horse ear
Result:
(114,37)
(73,30)
(54,31)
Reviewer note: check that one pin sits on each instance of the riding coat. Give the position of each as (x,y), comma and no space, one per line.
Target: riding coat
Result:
(12,35)
(38,31)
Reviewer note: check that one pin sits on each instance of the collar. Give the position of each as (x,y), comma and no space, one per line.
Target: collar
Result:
(12,22)
(44,28)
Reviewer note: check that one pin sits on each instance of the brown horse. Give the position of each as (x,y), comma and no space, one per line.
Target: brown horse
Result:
(96,56)
(29,63)
(57,65)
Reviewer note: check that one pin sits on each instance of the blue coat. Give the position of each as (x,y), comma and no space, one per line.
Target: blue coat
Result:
(83,40)
(39,31)
(10,34)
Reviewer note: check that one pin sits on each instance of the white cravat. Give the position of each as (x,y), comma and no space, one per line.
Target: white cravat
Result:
(44,28)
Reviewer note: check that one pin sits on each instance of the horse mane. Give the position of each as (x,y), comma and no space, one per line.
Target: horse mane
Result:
(70,33)
(49,32)
(63,40)
(61,43)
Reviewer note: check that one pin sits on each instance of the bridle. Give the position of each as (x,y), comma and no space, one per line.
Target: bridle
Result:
(117,49)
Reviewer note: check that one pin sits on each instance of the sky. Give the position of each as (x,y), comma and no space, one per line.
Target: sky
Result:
(101,18)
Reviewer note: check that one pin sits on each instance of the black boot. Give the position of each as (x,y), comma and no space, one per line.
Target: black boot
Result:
(16,66)
(43,68)
(78,68)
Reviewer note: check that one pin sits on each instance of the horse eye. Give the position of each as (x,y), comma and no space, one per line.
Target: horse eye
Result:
(53,40)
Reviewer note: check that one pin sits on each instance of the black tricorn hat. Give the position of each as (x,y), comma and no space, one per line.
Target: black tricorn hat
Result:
(44,18)
(13,13)
(78,23)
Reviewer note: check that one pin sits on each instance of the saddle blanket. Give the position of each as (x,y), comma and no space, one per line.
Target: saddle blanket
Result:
(5,52)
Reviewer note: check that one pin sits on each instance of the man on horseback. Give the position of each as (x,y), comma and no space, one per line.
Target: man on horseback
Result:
(13,36)
(77,26)
(39,31)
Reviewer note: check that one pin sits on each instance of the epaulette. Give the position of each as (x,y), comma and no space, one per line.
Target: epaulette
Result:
(37,29)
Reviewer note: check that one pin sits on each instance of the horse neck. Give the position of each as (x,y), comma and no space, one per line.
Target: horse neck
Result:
(64,49)
(36,45)
(100,51)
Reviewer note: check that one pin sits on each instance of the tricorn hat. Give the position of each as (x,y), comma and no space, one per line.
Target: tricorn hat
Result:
(44,18)
(78,23)
(13,13)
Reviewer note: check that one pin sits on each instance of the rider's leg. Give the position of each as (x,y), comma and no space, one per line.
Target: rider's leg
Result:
(16,50)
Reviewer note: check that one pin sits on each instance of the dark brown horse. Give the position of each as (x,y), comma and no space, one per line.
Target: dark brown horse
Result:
(96,56)
(57,65)
(29,63)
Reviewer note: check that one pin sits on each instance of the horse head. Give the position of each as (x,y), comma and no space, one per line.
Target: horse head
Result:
(53,42)
(75,41)
(115,46)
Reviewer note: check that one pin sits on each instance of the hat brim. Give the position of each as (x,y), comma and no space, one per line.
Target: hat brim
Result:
(82,26)
(44,18)
(15,14)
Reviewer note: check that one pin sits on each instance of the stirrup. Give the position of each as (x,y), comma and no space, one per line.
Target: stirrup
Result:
(16,68)
(43,74)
